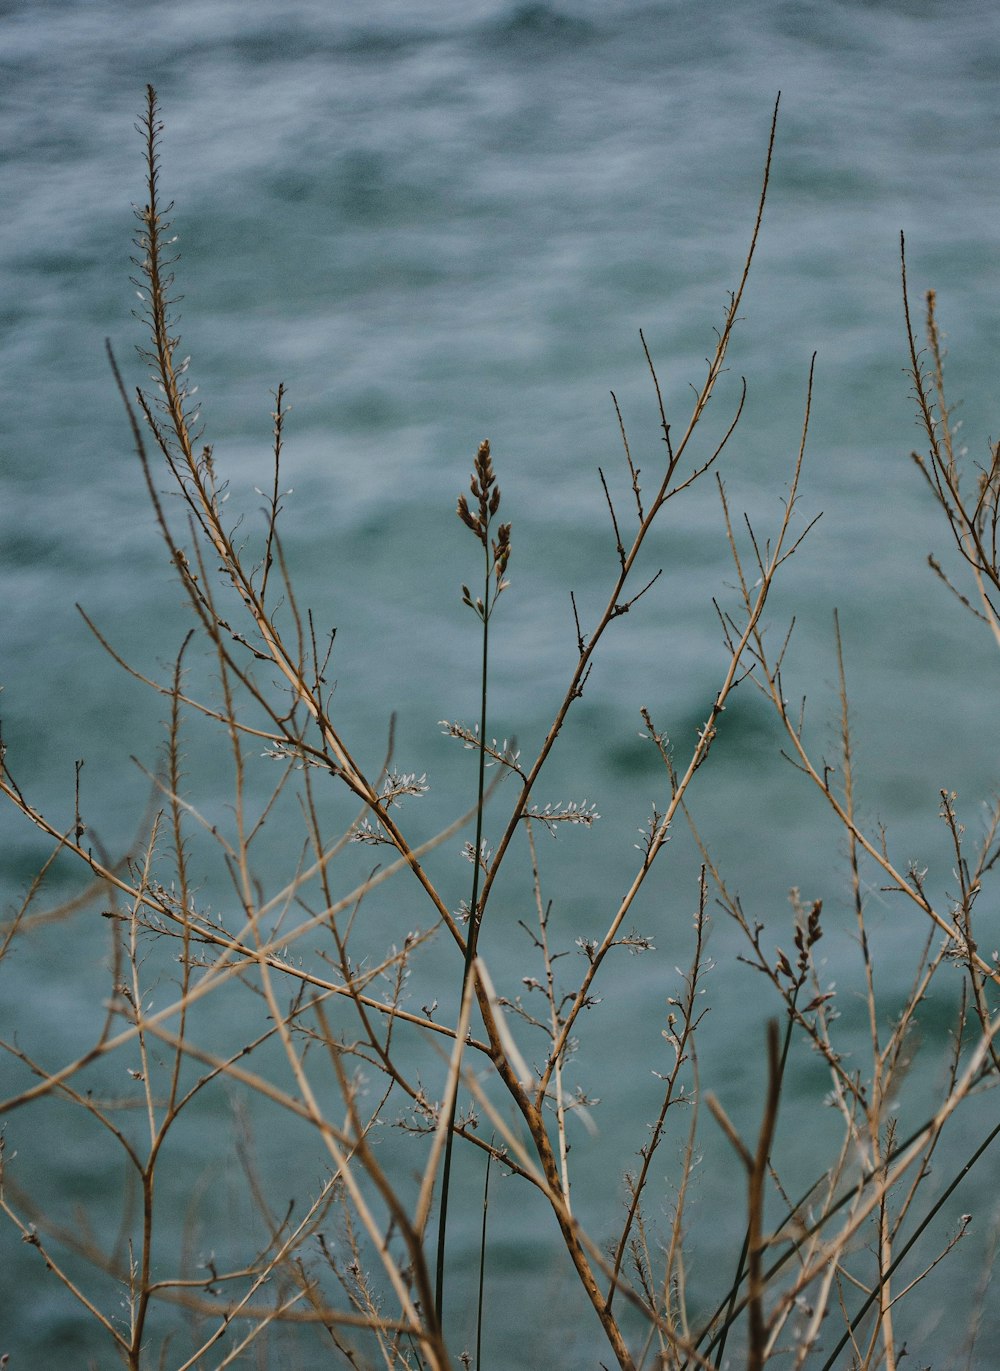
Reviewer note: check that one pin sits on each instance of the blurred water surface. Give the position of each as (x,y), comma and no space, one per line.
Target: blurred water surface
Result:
(438,222)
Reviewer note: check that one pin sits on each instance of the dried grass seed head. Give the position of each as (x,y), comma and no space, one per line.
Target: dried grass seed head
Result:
(485,492)
(501,552)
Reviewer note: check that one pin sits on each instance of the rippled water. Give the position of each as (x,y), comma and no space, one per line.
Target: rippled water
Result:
(437,222)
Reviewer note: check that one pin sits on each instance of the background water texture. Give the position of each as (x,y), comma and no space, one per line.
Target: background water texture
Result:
(437,222)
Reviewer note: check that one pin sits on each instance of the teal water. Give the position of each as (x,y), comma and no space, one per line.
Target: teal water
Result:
(436,223)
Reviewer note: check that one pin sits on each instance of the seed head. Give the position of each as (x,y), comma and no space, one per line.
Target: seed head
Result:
(485,492)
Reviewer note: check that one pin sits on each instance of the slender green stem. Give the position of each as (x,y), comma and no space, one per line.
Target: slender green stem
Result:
(472,938)
(482,1262)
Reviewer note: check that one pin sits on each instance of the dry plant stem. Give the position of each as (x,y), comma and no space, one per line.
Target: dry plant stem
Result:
(885,1061)
(682,1043)
(342,1157)
(242,1307)
(195,479)
(614,606)
(899,882)
(23,921)
(181,1049)
(382,1051)
(672,1330)
(178,1293)
(30,1236)
(571,1229)
(674,1277)
(555,1014)
(570,1233)
(139,1289)
(756,1167)
(741,1266)
(769,679)
(427,1333)
(968,1351)
(884,1064)
(911,1242)
(948,1247)
(225,968)
(757,1176)
(829,1251)
(783,549)
(577,1246)
(189,1050)
(974,528)
(883,1324)
(969,887)
(180,856)
(733,1309)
